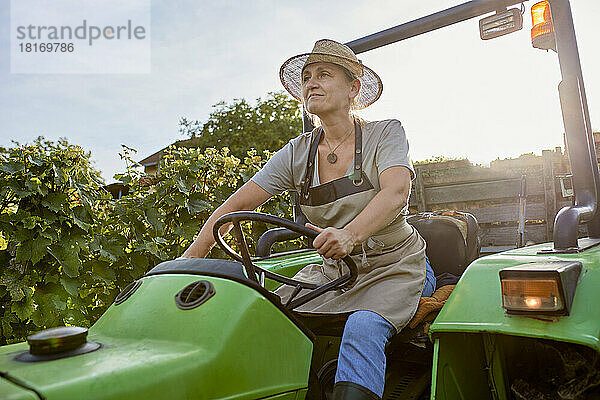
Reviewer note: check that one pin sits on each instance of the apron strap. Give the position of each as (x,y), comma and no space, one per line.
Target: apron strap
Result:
(310,165)
(355,176)
(357,173)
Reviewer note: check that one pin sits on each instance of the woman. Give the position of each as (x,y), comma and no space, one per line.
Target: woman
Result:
(354,181)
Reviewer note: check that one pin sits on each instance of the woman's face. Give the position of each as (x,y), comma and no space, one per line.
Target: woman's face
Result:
(326,89)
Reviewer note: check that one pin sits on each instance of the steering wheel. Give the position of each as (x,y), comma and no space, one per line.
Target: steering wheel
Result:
(252,270)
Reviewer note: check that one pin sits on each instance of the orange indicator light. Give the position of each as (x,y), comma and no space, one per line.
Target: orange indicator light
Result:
(533,302)
(540,288)
(540,13)
(526,294)
(542,32)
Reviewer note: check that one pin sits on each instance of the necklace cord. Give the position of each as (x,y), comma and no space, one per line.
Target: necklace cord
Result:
(332,157)
(339,144)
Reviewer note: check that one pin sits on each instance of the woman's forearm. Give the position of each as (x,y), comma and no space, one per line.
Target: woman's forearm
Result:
(384,207)
(247,198)
(205,241)
(380,211)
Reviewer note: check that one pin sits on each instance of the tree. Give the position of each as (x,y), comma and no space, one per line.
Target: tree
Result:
(190,128)
(268,125)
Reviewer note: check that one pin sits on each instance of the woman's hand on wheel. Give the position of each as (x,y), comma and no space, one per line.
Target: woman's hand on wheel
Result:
(332,242)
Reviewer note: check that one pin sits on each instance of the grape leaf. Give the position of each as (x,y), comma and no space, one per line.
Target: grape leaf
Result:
(55,201)
(196,204)
(68,259)
(103,270)
(14,283)
(33,250)
(12,167)
(23,309)
(71,286)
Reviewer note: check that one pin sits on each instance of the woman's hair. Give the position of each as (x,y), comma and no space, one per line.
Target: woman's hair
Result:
(350,77)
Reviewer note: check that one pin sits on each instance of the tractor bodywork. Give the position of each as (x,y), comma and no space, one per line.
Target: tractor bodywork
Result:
(480,351)
(241,343)
(236,344)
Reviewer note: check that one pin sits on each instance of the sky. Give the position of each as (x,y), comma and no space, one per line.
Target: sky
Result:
(456,95)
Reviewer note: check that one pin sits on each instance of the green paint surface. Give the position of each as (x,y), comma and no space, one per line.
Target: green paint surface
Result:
(236,344)
(10,391)
(474,338)
(288,265)
(475,305)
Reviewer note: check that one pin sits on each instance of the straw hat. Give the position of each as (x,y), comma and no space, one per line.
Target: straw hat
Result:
(326,50)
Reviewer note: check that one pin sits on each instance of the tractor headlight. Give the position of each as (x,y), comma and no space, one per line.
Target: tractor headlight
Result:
(540,288)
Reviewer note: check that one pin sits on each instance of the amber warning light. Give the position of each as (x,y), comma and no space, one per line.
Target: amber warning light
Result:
(540,288)
(542,32)
(531,294)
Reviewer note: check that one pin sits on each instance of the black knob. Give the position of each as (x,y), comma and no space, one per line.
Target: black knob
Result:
(57,340)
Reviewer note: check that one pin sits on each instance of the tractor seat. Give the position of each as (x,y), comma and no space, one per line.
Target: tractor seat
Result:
(452,239)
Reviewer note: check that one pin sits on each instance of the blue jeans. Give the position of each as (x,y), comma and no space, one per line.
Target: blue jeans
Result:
(362,351)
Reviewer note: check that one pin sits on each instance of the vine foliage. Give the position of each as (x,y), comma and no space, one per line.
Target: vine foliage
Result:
(67,247)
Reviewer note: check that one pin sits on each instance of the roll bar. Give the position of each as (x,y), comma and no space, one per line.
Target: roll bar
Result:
(441,19)
(576,119)
(579,136)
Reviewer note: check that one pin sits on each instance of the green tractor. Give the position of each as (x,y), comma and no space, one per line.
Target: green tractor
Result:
(518,325)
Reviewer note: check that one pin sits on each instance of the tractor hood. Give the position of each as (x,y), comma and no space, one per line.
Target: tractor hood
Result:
(230,345)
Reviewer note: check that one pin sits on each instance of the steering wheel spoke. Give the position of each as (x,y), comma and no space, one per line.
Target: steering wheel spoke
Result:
(258,274)
(246,260)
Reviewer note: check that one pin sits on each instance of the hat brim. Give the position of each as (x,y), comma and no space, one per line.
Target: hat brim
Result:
(290,74)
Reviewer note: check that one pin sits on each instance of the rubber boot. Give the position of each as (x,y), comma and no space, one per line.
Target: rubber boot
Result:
(352,391)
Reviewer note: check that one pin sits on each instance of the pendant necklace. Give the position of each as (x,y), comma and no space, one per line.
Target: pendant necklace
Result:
(332,157)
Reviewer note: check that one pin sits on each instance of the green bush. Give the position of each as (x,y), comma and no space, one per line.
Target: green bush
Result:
(69,248)
(47,192)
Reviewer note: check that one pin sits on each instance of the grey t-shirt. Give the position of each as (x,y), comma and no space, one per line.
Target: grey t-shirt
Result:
(384,146)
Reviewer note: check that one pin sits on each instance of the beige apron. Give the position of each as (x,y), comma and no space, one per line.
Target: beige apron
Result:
(391,263)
